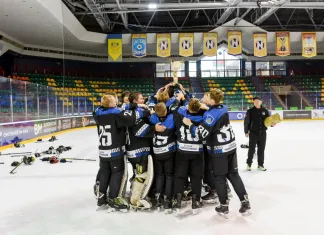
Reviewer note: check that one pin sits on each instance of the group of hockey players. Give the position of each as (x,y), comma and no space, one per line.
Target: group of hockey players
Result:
(173,142)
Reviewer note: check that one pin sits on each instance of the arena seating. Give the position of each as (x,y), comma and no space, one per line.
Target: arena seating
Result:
(310,85)
(90,88)
(273,81)
(238,90)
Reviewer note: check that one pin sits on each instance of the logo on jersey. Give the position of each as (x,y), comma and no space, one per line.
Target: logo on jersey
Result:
(263,113)
(209,120)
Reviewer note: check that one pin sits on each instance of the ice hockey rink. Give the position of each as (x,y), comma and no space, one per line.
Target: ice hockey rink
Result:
(44,199)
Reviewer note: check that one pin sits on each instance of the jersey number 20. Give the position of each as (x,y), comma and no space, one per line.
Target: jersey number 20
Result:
(105,135)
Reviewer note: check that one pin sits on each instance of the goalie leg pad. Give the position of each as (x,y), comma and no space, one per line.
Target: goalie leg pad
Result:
(123,184)
(142,184)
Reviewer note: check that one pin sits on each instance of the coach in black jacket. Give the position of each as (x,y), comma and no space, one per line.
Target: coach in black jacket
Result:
(255,129)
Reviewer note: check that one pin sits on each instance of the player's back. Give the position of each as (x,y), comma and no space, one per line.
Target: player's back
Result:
(187,142)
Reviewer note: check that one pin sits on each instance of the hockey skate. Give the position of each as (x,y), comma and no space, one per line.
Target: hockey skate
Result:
(116,204)
(245,207)
(206,188)
(177,203)
(101,201)
(142,205)
(211,197)
(196,204)
(186,198)
(159,201)
(222,210)
(167,206)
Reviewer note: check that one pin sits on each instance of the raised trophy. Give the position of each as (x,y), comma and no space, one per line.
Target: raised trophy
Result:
(175,67)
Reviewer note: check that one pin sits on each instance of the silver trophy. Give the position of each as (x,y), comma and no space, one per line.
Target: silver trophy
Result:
(175,67)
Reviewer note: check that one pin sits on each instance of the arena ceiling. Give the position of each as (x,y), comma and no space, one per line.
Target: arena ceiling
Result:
(132,16)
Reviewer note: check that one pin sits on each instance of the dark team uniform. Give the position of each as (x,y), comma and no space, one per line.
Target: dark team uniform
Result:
(139,142)
(171,105)
(189,158)
(254,126)
(221,146)
(111,123)
(164,149)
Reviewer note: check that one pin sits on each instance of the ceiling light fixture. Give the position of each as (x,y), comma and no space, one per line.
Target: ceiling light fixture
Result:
(152,6)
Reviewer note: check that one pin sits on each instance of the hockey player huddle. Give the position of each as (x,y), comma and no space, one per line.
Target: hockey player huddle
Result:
(170,138)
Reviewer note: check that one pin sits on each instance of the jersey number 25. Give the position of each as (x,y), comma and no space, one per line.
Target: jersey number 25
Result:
(105,135)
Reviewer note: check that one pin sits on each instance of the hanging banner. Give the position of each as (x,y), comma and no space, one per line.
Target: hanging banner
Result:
(186,41)
(282,43)
(115,47)
(234,42)
(309,45)
(210,44)
(260,44)
(163,44)
(139,45)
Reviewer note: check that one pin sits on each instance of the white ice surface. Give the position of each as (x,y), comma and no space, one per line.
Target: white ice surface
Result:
(58,199)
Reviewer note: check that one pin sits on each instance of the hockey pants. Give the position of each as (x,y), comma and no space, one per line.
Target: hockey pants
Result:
(163,171)
(193,165)
(225,167)
(111,172)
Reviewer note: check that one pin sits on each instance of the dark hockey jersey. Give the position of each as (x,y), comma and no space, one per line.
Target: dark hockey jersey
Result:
(215,128)
(111,123)
(188,142)
(127,106)
(164,142)
(171,105)
(140,138)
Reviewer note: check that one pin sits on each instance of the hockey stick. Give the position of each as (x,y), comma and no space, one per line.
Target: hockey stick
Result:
(13,170)
(1,162)
(81,159)
(14,153)
(19,155)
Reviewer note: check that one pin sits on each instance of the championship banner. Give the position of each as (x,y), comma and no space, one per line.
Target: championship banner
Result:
(234,42)
(139,45)
(309,45)
(186,44)
(282,43)
(210,44)
(163,44)
(260,44)
(115,47)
